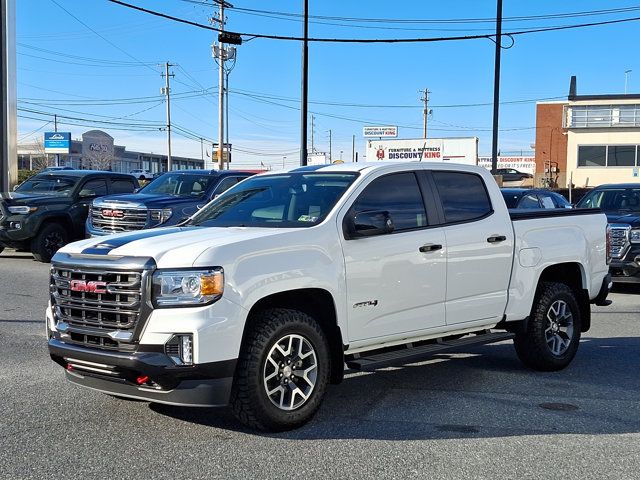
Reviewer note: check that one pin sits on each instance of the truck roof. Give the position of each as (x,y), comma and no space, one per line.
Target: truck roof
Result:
(370,166)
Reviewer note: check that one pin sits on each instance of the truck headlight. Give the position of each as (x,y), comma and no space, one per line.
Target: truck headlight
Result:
(185,288)
(634,235)
(161,216)
(22,210)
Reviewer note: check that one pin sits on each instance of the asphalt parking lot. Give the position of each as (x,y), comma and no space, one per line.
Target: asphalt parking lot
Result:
(477,414)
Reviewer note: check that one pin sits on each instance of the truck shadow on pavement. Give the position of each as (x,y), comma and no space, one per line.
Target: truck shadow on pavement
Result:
(481,393)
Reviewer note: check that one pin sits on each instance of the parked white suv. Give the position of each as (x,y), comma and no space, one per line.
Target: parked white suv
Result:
(261,298)
(142,174)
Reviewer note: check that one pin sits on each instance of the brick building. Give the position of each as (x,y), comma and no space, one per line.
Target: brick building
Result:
(590,139)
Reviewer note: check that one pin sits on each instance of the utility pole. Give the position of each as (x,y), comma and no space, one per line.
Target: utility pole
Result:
(496,88)
(202,150)
(55,129)
(425,112)
(166,90)
(329,145)
(353,148)
(626,79)
(313,127)
(305,85)
(221,92)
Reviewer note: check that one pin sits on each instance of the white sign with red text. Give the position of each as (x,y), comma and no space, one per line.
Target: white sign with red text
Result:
(453,150)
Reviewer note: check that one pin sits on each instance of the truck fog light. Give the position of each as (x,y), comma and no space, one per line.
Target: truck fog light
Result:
(15,225)
(179,349)
(186,349)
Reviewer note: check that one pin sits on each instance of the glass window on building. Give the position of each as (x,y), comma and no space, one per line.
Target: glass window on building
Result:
(592,156)
(621,156)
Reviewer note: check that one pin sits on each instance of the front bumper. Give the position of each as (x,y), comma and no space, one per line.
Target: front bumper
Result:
(117,373)
(626,270)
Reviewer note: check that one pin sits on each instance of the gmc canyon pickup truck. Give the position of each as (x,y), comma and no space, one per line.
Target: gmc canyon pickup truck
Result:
(265,294)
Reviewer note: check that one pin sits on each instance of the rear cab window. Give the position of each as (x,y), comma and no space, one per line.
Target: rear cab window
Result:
(463,195)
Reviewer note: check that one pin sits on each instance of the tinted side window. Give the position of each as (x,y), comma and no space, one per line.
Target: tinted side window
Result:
(122,185)
(226,184)
(96,187)
(529,201)
(398,194)
(547,201)
(463,196)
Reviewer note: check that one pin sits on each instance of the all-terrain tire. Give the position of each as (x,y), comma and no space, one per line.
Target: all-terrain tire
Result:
(543,345)
(49,239)
(269,329)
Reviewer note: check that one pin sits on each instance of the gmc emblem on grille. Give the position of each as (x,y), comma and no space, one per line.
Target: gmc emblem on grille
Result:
(108,212)
(90,287)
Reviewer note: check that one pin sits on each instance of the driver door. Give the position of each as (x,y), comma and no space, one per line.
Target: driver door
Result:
(88,191)
(395,281)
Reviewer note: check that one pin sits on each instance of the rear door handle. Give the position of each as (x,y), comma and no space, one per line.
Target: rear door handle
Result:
(430,247)
(496,239)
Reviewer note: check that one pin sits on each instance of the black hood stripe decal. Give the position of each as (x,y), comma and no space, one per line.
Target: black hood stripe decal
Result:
(103,248)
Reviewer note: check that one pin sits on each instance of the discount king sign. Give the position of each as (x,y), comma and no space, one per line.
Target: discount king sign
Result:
(380,132)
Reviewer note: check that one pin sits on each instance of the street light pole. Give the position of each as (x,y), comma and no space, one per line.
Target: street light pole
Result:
(305,86)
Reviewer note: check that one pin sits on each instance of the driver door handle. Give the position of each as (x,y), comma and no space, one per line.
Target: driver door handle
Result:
(496,239)
(430,247)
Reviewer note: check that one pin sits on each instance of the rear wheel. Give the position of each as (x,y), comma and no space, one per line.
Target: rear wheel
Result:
(48,241)
(282,372)
(552,336)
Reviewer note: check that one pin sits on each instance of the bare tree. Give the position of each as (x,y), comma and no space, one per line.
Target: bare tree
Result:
(39,159)
(99,159)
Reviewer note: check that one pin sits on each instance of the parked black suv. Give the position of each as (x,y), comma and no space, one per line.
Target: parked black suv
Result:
(50,209)
(621,203)
(169,199)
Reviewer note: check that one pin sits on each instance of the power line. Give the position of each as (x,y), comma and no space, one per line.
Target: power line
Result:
(102,37)
(374,40)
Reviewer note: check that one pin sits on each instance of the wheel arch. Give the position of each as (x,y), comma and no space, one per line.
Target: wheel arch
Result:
(317,303)
(574,276)
(58,218)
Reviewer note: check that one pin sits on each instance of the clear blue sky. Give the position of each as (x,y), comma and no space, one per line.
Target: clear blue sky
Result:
(66,68)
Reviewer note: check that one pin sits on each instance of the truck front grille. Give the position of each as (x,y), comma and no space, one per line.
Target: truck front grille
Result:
(96,308)
(619,235)
(116,220)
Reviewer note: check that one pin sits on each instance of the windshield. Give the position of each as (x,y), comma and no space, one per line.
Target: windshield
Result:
(179,184)
(277,201)
(48,185)
(613,200)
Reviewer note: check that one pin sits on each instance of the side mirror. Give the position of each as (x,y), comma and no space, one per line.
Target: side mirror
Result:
(369,224)
(86,193)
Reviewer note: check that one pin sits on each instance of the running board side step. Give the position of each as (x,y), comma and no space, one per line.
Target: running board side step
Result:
(410,354)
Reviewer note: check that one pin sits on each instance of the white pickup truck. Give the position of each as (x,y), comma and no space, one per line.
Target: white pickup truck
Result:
(263,296)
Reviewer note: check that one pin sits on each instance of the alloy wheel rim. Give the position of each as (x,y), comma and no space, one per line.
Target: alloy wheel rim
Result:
(559,328)
(53,242)
(290,372)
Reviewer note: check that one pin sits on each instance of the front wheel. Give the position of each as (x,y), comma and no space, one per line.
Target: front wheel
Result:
(282,372)
(48,241)
(551,338)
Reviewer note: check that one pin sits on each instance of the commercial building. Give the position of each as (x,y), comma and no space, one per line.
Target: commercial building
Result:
(96,150)
(451,149)
(588,140)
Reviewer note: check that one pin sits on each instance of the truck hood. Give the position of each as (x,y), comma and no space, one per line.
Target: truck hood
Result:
(17,198)
(631,218)
(139,200)
(170,247)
